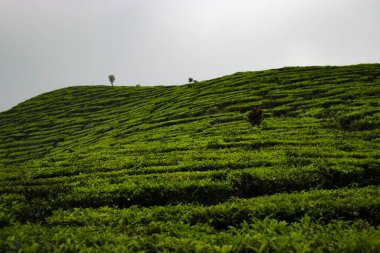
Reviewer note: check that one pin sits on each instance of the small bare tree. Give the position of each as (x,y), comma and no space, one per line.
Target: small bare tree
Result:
(111,78)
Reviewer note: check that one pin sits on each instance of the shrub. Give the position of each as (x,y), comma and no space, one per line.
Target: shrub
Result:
(358,123)
(255,116)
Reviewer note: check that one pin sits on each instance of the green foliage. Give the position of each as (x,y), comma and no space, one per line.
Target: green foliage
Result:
(173,168)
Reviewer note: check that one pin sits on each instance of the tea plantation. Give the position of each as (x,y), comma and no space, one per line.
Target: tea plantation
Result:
(180,169)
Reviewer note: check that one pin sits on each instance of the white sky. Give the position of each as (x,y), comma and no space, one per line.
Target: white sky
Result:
(50,44)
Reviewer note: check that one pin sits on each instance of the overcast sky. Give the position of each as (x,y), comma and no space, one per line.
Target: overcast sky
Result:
(50,44)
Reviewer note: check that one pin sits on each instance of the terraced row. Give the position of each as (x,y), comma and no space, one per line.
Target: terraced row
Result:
(298,222)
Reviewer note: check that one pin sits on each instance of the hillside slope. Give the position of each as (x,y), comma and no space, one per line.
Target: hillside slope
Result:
(146,167)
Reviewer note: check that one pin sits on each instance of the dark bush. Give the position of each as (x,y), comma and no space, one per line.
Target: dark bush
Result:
(357,122)
(255,116)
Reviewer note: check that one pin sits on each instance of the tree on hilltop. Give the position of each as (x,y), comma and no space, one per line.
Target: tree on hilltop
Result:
(111,78)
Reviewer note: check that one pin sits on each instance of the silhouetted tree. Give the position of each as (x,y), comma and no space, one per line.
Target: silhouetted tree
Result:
(191,80)
(111,78)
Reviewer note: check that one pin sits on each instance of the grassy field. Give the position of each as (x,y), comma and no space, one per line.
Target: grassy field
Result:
(179,168)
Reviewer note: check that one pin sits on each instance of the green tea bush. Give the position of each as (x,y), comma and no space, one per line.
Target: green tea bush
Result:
(357,123)
(344,118)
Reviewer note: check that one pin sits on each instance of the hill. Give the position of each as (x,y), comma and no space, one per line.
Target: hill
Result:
(171,168)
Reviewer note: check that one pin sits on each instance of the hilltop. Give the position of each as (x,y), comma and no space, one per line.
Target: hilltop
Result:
(180,168)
